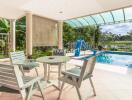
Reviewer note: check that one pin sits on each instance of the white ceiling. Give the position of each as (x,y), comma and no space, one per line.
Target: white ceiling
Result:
(14,9)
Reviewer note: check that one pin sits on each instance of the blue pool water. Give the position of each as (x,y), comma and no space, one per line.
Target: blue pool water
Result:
(123,59)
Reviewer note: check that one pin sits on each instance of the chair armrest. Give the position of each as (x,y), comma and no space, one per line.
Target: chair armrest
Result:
(28,84)
(70,74)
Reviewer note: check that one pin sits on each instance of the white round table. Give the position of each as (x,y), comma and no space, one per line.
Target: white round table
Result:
(58,60)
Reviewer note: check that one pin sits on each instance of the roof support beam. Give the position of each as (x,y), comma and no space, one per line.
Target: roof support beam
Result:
(80,22)
(74,23)
(102,18)
(86,20)
(94,20)
(124,15)
(112,16)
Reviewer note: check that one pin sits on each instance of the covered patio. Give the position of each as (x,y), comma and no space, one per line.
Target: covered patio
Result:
(111,83)
(56,12)
(44,27)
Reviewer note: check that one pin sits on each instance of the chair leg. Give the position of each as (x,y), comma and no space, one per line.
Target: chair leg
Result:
(92,86)
(65,66)
(23,94)
(41,90)
(36,72)
(48,72)
(29,92)
(61,90)
(78,92)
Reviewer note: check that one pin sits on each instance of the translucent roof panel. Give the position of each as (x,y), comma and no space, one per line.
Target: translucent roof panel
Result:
(76,22)
(83,21)
(71,24)
(107,17)
(128,13)
(98,19)
(90,20)
(110,17)
(118,15)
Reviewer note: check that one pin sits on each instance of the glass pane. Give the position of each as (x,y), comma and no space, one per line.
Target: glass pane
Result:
(83,21)
(98,19)
(70,23)
(107,17)
(118,15)
(128,13)
(77,23)
(90,20)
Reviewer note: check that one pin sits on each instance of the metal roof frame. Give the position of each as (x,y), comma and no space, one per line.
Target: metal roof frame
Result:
(112,16)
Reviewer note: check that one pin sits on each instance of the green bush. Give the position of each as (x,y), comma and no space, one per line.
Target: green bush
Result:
(113,49)
(40,52)
(130,49)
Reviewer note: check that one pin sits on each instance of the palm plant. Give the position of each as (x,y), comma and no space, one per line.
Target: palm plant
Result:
(4,25)
(4,28)
(20,33)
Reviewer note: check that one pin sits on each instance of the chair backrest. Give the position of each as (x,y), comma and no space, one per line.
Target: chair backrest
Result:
(58,52)
(17,57)
(88,67)
(10,76)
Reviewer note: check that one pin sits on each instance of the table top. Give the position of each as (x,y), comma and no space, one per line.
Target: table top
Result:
(53,59)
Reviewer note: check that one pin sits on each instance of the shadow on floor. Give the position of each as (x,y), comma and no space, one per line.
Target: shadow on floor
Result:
(5,89)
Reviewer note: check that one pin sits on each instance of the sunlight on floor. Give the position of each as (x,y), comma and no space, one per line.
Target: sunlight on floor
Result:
(112,68)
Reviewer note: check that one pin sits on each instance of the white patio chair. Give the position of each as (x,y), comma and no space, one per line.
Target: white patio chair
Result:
(19,58)
(76,75)
(11,77)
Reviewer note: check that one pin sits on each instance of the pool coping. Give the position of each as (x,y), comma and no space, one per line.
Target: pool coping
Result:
(119,52)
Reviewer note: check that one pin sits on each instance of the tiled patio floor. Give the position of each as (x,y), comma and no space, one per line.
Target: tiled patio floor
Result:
(111,83)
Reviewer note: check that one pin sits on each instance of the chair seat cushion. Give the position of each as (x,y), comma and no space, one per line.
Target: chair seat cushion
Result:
(30,65)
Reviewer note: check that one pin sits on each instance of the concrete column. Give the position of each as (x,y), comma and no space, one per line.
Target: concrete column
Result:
(29,33)
(12,34)
(60,34)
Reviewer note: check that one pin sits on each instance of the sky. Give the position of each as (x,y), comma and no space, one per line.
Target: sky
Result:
(121,28)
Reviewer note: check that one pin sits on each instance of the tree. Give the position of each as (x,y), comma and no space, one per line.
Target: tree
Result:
(4,25)
(90,34)
(4,28)
(69,35)
(20,33)
(97,35)
(130,34)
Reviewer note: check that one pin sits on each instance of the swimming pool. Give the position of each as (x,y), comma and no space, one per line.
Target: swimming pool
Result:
(123,59)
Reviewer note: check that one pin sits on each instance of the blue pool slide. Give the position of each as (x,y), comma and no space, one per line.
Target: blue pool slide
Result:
(82,44)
